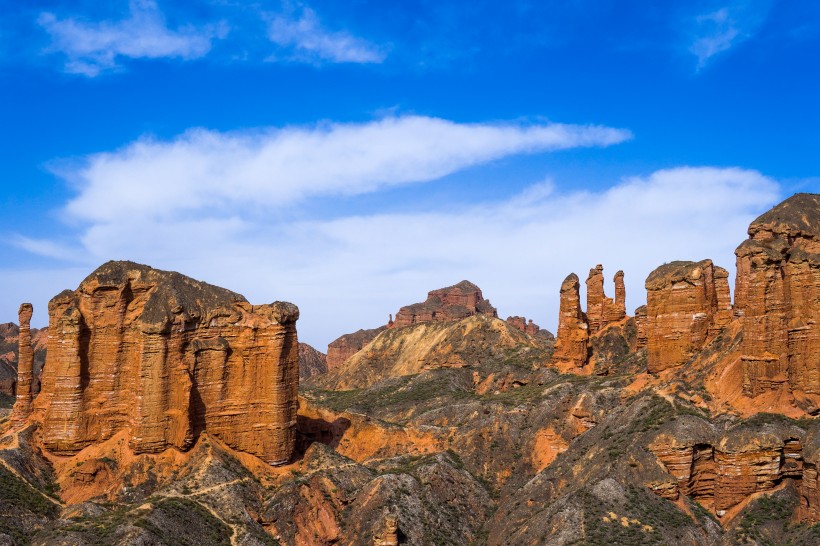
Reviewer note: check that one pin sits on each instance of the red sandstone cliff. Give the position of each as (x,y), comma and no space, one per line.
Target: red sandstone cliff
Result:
(685,301)
(166,357)
(777,292)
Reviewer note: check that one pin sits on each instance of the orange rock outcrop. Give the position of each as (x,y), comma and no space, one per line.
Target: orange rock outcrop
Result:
(777,292)
(572,340)
(521,323)
(602,310)
(640,326)
(165,358)
(25,367)
(721,472)
(455,302)
(685,301)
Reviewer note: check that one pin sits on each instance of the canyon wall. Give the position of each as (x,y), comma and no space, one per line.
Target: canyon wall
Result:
(167,357)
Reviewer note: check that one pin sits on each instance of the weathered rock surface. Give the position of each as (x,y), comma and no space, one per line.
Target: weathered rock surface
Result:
(311,361)
(722,470)
(25,367)
(166,357)
(777,291)
(572,340)
(451,303)
(684,302)
(343,347)
(602,310)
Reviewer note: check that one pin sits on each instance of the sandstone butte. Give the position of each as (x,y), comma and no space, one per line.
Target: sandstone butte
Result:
(685,303)
(164,357)
(455,302)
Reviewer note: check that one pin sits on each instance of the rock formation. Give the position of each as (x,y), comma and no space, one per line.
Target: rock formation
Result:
(25,366)
(640,326)
(684,302)
(167,357)
(602,310)
(572,340)
(777,291)
(452,303)
(522,324)
(343,347)
(721,471)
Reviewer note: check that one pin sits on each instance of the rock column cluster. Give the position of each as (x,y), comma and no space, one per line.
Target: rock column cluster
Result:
(574,326)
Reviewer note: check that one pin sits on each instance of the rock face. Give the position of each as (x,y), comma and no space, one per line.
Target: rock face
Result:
(721,471)
(25,366)
(311,361)
(640,325)
(684,302)
(389,535)
(347,345)
(572,341)
(777,292)
(167,357)
(455,302)
(602,310)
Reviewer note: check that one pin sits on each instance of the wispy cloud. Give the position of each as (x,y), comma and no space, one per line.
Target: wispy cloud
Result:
(305,39)
(205,170)
(718,31)
(93,47)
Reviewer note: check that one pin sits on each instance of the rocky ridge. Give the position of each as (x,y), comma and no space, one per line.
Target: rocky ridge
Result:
(471,431)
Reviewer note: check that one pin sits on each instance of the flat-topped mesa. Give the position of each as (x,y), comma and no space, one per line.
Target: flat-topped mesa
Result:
(343,347)
(777,289)
(602,310)
(25,367)
(166,357)
(685,301)
(572,340)
(521,323)
(455,302)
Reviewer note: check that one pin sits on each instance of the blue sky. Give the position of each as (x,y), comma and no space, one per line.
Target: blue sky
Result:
(351,156)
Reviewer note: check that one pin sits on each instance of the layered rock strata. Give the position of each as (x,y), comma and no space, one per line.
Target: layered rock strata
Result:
(572,340)
(311,361)
(721,471)
(640,326)
(777,291)
(455,302)
(684,302)
(25,367)
(167,357)
(343,347)
(602,310)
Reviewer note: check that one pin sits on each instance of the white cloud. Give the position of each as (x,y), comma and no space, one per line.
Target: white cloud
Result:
(307,40)
(721,29)
(206,170)
(350,272)
(92,47)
